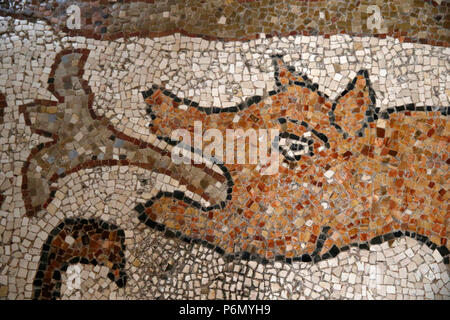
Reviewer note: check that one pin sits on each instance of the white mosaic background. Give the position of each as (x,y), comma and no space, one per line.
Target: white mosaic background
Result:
(222,75)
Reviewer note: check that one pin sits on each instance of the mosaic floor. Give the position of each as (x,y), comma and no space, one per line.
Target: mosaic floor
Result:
(93,205)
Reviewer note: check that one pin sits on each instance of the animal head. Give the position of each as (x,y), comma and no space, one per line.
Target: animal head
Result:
(310,123)
(323,198)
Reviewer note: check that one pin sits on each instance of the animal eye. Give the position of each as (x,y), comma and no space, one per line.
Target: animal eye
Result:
(293,147)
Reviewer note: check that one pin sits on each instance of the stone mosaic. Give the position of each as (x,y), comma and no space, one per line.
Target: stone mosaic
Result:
(420,21)
(79,241)
(323,199)
(358,208)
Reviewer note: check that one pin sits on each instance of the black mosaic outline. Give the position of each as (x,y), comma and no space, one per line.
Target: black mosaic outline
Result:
(292,136)
(43,262)
(371,108)
(307,83)
(371,115)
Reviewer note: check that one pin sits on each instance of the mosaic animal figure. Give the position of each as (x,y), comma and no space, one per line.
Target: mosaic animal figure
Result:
(80,139)
(4,182)
(79,241)
(353,174)
(3,105)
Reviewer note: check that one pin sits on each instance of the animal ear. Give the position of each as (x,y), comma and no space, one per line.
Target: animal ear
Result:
(285,75)
(355,106)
